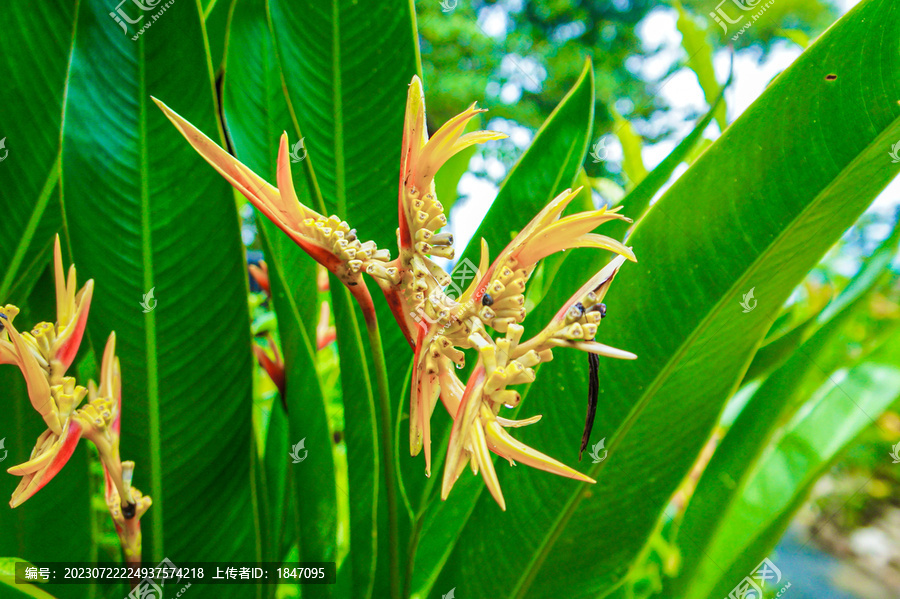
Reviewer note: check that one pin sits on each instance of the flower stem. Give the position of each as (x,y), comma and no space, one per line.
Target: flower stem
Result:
(387,451)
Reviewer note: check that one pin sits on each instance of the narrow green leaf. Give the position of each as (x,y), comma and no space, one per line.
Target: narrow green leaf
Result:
(256,113)
(700,60)
(632,145)
(332,54)
(145,212)
(35,78)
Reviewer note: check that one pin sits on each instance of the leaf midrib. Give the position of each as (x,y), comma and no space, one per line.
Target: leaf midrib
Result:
(153,407)
(534,565)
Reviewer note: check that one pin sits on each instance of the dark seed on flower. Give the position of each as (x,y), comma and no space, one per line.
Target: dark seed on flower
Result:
(593,391)
(601,308)
(580,307)
(128,511)
(487,300)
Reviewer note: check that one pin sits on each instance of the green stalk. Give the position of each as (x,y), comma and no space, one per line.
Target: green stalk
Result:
(387,451)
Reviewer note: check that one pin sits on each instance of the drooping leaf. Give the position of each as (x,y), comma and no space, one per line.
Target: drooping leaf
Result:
(13,589)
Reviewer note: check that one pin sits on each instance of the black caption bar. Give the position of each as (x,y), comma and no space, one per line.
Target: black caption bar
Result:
(168,573)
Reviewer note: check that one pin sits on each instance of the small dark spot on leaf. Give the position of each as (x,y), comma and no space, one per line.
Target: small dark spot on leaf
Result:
(830,77)
(338,436)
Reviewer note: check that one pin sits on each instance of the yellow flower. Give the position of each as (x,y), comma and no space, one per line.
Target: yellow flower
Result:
(421,214)
(14,350)
(98,421)
(53,448)
(44,354)
(502,287)
(329,240)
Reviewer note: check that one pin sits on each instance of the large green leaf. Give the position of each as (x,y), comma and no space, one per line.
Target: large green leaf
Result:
(256,114)
(35,78)
(637,202)
(757,210)
(346,66)
(780,484)
(144,212)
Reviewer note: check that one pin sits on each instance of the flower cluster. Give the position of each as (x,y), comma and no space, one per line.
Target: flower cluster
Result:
(44,355)
(440,328)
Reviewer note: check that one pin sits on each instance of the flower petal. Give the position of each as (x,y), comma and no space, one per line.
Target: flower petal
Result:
(35,379)
(503,444)
(70,337)
(62,450)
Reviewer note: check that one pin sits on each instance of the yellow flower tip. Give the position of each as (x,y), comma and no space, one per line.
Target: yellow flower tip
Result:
(62,305)
(503,444)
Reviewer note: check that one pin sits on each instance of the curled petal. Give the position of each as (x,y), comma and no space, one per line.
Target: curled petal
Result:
(463,421)
(49,456)
(600,349)
(35,379)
